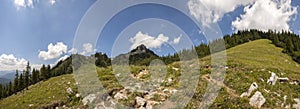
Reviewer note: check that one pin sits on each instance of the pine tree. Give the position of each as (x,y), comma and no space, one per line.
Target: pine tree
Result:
(20,82)
(10,88)
(43,73)
(16,82)
(48,71)
(290,46)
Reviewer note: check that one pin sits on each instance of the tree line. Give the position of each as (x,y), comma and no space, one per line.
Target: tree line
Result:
(31,76)
(288,41)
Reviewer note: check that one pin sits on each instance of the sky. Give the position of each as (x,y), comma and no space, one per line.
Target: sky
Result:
(44,31)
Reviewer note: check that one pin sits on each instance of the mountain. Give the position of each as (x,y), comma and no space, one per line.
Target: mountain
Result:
(4,81)
(250,63)
(141,55)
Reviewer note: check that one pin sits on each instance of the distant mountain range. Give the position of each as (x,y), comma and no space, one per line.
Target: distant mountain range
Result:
(6,76)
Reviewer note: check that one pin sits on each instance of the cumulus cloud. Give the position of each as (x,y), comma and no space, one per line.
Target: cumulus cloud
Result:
(87,49)
(176,40)
(10,62)
(211,11)
(23,3)
(147,40)
(54,51)
(265,15)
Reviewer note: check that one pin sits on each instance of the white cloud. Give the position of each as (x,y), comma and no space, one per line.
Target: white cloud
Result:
(23,3)
(148,41)
(54,51)
(176,40)
(87,49)
(211,11)
(10,62)
(265,15)
(52,2)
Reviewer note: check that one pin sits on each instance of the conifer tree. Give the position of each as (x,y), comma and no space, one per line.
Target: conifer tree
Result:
(16,82)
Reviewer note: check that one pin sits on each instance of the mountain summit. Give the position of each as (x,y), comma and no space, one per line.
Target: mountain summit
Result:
(141,55)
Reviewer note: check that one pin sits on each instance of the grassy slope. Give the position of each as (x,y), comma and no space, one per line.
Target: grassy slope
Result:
(257,57)
(248,63)
(41,94)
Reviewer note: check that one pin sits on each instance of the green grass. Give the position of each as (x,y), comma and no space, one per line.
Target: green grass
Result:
(248,63)
(42,94)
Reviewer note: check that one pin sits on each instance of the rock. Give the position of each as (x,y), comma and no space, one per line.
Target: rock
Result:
(69,90)
(121,95)
(272,80)
(253,87)
(268,91)
(257,100)
(77,95)
(176,69)
(284,100)
(171,91)
(297,105)
(170,80)
(140,101)
(142,73)
(150,104)
(30,105)
(88,99)
(283,79)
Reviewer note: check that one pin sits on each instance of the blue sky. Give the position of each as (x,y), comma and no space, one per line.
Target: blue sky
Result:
(28,27)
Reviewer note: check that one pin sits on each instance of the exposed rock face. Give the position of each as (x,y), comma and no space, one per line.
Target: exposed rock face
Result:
(297,105)
(253,87)
(272,80)
(257,100)
(88,99)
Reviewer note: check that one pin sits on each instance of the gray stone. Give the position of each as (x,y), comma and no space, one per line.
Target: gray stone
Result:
(257,100)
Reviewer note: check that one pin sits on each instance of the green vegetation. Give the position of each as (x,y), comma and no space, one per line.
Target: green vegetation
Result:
(44,94)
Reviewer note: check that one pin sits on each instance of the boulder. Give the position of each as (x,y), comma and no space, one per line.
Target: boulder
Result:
(253,87)
(272,80)
(257,100)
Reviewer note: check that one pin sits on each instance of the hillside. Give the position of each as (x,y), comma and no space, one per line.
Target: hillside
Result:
(252,62)
(45,94)
(247,63)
